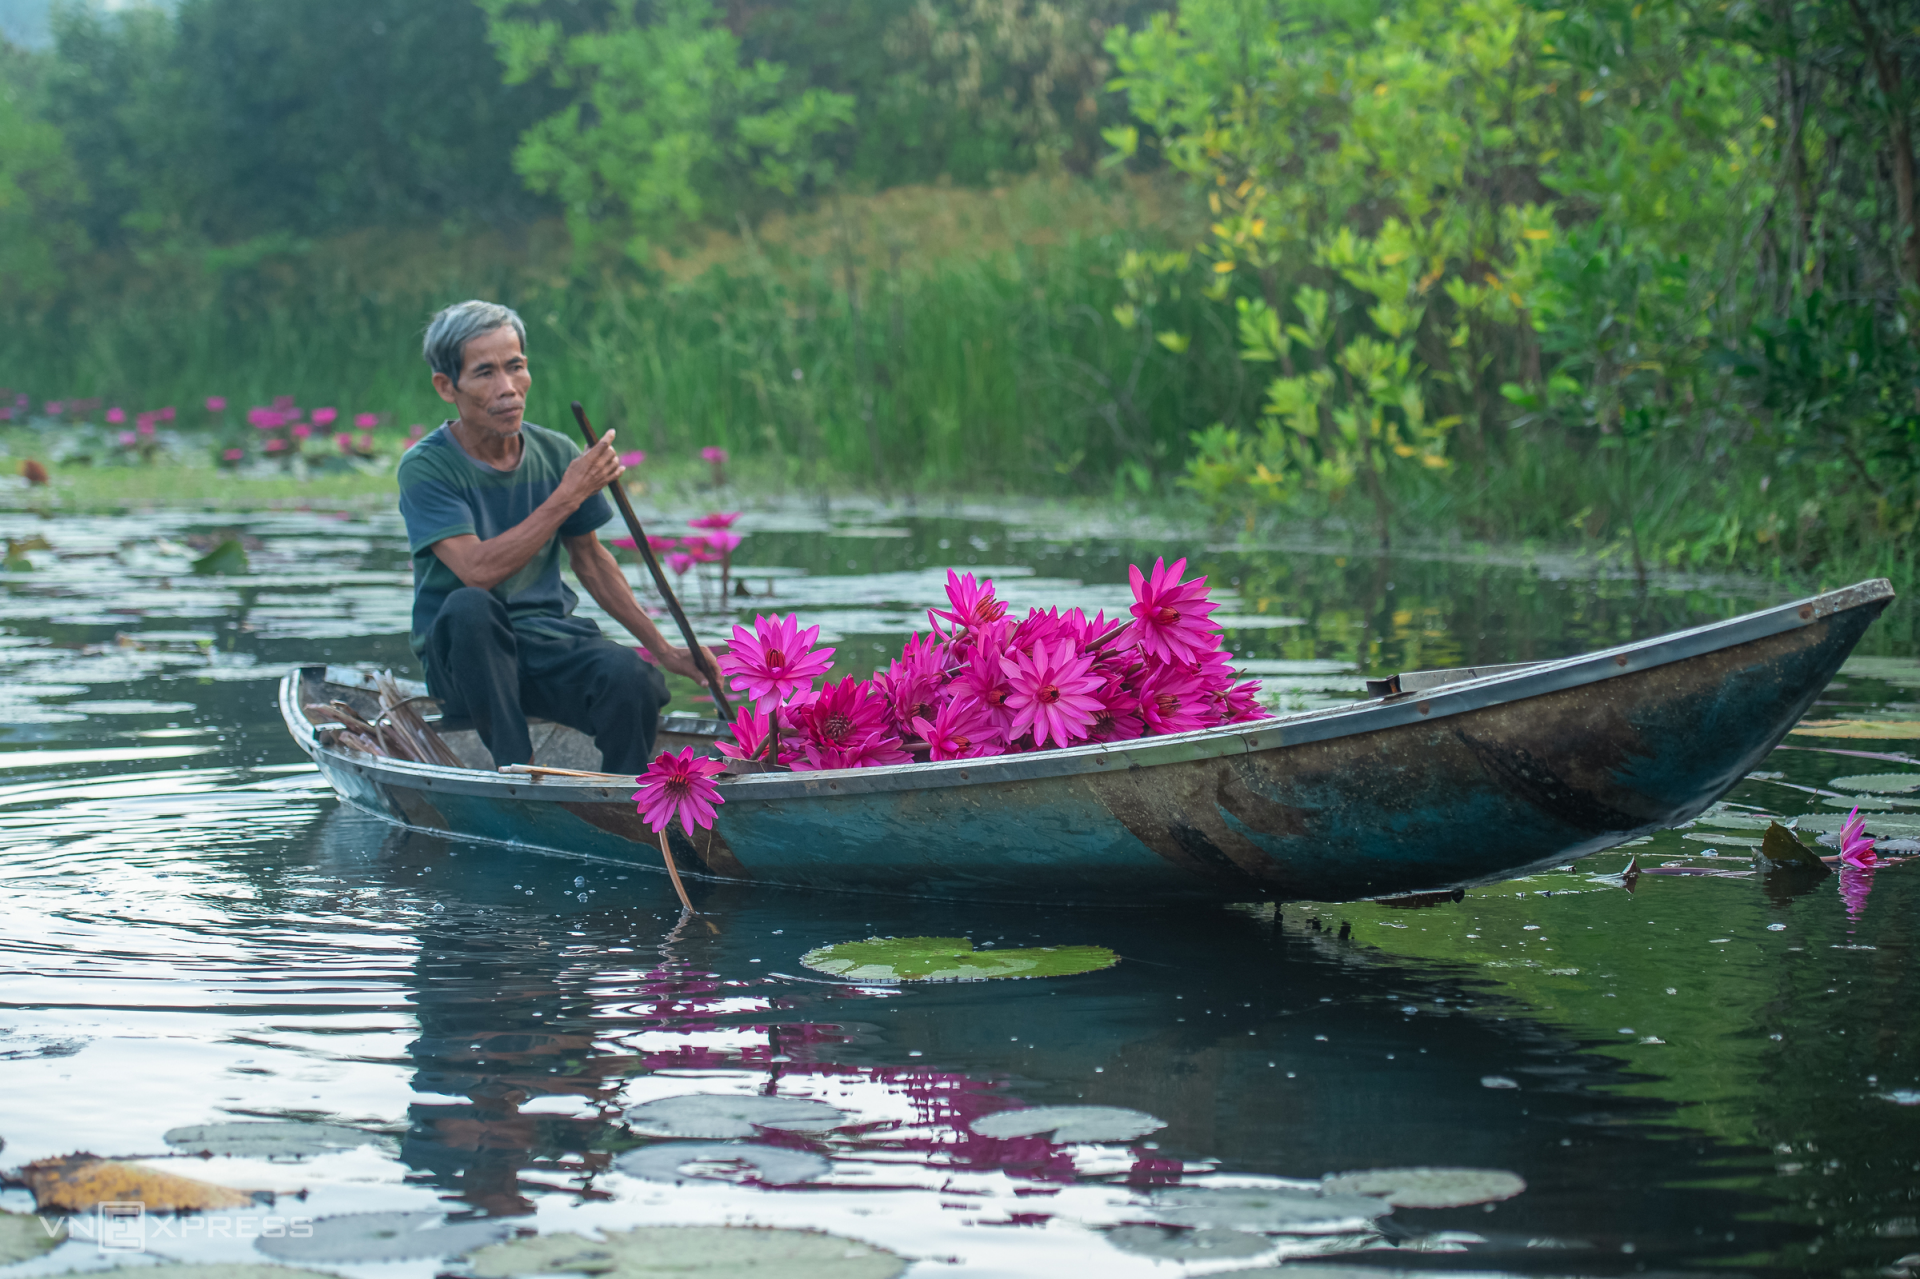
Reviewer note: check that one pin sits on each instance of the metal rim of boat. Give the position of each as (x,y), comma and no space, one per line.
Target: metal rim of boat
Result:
(1103,758)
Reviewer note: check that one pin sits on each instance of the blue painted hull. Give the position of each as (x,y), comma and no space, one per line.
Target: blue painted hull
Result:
(1463,783)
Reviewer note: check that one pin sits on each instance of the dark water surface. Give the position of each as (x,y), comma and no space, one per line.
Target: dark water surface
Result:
(1708,1072)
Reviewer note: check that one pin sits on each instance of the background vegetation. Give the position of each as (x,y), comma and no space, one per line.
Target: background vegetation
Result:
(1643,277)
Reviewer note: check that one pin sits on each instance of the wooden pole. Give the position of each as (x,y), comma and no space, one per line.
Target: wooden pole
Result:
(639,536)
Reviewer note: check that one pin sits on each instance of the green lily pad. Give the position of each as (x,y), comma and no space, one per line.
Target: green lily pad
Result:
(384,1236)
(1166,1244)
(1428,1187)
(682,1161)
(228,557)
(1782,847)
(23,1236)
(896,959)
(1879,783)
(657,1252)
(1304,1212)
(715,1115)
(1891,824)
(1069,1124)
(1901,672)
(212,1270)
(265,1139)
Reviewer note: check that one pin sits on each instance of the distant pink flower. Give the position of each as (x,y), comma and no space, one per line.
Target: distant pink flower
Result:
(366,421)
(973,605)
(723,541)
(324,417)
(774,660)
(145,426)
(633,459)
(703,551)
(216,404)
(166,414)
(714,454)
(658,544)
(116,415)
(680,562)
(1052,694)
(283,403)
(128,439)
(301,431)
(415,431)
(626,543)
(961,729)
(233,455)
(55,408)
(1856,849)
(715,520)
(679,786)
(6,413)
(1172,699)
(1171,614)
(343,442)
(364,441)
(276,446)
(264,419)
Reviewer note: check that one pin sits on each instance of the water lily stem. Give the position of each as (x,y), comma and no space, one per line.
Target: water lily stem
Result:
(673,873)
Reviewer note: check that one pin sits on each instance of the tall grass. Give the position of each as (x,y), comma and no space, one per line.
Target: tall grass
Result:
(928,339)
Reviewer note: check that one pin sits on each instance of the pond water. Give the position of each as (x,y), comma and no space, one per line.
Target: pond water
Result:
(1707,1071)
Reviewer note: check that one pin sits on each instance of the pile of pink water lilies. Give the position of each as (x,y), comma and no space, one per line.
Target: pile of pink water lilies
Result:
(986,684)
(981,684)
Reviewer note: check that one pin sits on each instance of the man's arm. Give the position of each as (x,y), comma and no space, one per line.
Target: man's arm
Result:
(489,563)
(600,573)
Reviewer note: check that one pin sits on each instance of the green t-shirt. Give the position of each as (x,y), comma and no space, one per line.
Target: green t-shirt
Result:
(445,492)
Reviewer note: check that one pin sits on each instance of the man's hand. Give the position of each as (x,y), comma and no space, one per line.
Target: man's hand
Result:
(592,471)
(681,662)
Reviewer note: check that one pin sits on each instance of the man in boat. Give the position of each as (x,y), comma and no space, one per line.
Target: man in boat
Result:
(490,500)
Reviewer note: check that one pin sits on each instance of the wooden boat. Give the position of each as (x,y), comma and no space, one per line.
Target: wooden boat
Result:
(1443,780)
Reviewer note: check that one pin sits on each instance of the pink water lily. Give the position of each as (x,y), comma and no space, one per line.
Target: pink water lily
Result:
(325,417)
(751,729)
(774,660)
(1173,699)
(1052,694)
(116,415)
(679,786)
(633,459)
(1171,614)
(216,404)
(715,454)
(715,520)
(845,726)
(973,604)
(366,421)
(961,729)
(1856,849)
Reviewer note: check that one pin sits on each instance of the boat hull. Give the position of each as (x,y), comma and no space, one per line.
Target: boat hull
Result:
(1427,791)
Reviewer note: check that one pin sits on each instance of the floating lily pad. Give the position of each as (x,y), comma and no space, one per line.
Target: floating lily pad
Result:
(1876,823)
(1902,672)
(729,1115)
(1163,1243)
(657,1252)
(1782,847)
(1429,1187)
(1879,783)
(76,1183)
(1293,1211)
(770,1164)
(896,959)
(228,557)
(1876,730)
(385,1236)
(1721,837)
(266,1140)
(24,1236)
(214,1270)
(1069,1123)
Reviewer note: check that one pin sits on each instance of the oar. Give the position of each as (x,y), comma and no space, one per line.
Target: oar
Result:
(639,536)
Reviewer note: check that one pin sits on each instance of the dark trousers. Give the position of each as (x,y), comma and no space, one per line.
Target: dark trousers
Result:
(484,669)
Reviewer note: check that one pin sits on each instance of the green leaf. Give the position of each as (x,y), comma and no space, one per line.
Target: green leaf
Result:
(228,557)
(715,1251)
(896,959)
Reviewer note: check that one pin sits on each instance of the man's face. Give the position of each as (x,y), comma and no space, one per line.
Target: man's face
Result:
(492,392)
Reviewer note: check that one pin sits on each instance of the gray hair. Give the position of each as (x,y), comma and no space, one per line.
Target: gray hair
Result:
(449,332)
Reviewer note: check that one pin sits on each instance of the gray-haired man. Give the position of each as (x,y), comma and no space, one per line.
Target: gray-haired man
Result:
(489,500)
